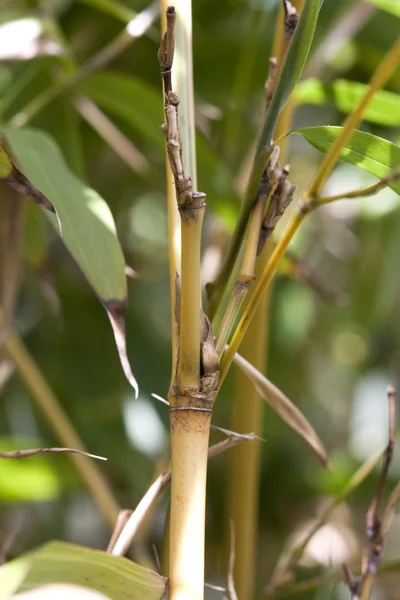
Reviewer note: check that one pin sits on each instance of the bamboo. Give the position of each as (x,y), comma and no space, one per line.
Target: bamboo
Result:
(309,198)
(191,393)
(245,463)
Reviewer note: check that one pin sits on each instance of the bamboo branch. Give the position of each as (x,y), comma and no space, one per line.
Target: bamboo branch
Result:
(371,190)
(382,74)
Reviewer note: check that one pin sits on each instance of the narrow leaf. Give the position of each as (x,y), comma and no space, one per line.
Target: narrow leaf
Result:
(115,577)
(87,225)
(391,6)
(369,152)
(384,108)
(281,404)
(292,69)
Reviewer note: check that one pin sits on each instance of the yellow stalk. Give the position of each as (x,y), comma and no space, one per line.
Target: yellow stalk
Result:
(190,394)
(244,462)
(269,272)
(189,451)
(188,372)
(243,281)
(61,425)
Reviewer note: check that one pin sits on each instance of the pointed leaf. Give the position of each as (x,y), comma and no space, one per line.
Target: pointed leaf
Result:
(391,6)
(281,404)
(61,563)
(292,69)
(370,152)
(87,225)
(384,108)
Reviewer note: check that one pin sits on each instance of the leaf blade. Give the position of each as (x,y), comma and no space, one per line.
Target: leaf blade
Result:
(369,152)
(292,68)
(281,404)
(87,226)
(60,562)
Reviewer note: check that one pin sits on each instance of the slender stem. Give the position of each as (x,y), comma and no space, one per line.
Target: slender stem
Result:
(362,193)
(188,371)
(264,281)
(244,463)
(378,80)
(244,279)
(61,425)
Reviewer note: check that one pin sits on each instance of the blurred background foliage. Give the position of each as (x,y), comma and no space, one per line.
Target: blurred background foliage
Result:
(333,357)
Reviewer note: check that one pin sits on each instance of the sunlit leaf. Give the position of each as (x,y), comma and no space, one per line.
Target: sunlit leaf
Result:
(87,226)
(117,578)
(384,109)
(369,152)
(281,404)
(391,6)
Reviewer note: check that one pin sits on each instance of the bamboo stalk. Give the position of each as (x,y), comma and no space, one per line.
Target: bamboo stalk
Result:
(196,374)
(61,425)
(244,467)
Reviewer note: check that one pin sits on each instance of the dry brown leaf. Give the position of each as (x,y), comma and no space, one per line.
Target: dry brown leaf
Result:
(281,404)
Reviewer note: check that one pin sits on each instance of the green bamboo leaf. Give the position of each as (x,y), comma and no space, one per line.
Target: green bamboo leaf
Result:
(281,404)
(77,569)
(84,222)
(369,152)
(391,6)
(292,69)
(384,108)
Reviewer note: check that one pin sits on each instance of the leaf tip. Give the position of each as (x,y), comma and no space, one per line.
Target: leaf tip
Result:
(116,311)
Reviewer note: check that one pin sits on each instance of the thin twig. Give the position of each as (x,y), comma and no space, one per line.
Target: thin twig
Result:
(15,454)
(361,193)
